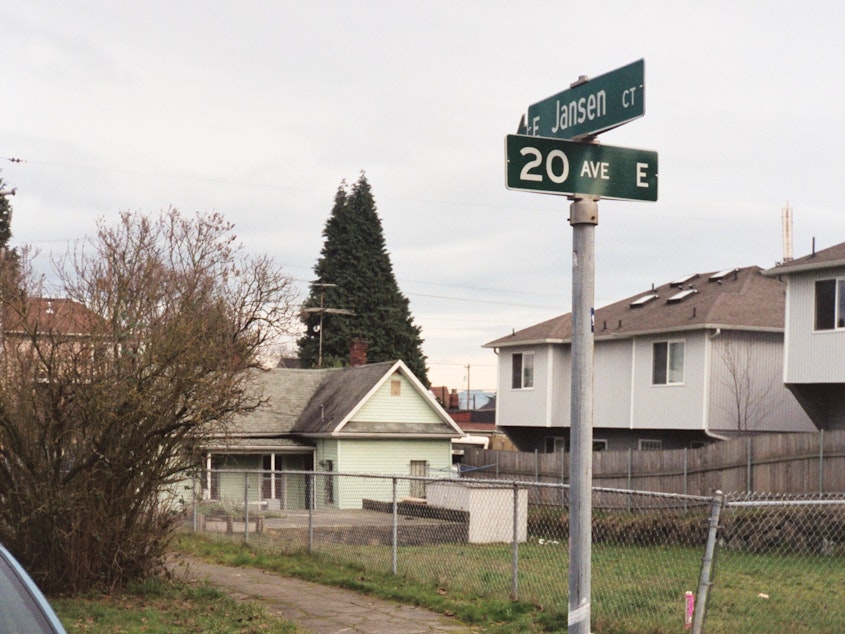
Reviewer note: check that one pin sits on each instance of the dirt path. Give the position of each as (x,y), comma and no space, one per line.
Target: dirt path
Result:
(316,608)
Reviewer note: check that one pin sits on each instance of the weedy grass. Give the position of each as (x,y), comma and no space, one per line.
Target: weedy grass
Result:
(157,606)
(634,588)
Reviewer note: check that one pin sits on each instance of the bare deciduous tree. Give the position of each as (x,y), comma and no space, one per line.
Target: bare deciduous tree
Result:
(106,394)
(750,388)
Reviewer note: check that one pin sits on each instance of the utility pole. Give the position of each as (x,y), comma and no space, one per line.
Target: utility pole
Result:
(468,392)
(322,310)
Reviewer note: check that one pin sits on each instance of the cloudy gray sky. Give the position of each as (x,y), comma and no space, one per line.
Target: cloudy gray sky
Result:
(260,109)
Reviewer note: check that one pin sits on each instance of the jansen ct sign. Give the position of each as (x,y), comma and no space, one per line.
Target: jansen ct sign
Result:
(590,107)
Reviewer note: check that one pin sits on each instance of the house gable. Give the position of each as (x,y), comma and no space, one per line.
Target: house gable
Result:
(396,407)
(380,399)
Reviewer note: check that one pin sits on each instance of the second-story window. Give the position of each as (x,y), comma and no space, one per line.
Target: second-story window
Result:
(830,304)
(667,363)
(522,371)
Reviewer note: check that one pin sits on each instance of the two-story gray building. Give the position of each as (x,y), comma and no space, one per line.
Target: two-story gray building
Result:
(679,365)
(814,351)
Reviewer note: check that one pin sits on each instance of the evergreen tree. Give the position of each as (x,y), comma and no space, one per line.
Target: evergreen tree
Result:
(354,273)
(8,256)
(5,218)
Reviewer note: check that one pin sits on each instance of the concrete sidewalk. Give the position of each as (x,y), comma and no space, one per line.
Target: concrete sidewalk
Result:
(316,608)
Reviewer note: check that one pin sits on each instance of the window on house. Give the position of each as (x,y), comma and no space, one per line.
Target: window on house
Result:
(522,372)
(396,388)
(328,482)
(555,444)
(599,445)
(830,304)
(650,445)
(667,363)
(697,444)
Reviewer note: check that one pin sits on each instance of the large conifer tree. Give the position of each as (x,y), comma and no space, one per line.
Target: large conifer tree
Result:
(354,273)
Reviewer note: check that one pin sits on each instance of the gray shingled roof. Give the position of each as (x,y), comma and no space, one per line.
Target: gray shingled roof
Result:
(287,392)
(744,299)
(339,392)
(826,258)
(308,402)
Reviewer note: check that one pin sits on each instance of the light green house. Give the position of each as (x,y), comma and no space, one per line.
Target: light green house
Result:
(370,419)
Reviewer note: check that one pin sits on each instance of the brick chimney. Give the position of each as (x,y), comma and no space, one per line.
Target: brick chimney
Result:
(358,352)
(454,400)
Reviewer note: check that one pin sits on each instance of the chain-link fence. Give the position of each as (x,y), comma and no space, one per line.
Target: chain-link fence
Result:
(768,565)
(483,537)
(780,565)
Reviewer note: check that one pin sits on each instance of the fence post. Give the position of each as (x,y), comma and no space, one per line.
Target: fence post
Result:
(707,565)
(630,466)
(312,497)
(194,479)
(515,544)
(395,529)
(821,461)
(246,507)
(749,484)
(686,476)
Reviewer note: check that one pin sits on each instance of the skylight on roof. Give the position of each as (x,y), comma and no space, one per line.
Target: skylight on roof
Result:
(679,297)
(683,280)
(722,274)
(642,301)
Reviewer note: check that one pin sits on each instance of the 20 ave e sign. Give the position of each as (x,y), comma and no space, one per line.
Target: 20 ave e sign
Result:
(556,166)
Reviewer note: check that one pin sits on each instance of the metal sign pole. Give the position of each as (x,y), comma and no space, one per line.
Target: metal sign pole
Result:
(583,216)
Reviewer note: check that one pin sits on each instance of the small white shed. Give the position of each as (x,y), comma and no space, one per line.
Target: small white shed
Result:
(490,507)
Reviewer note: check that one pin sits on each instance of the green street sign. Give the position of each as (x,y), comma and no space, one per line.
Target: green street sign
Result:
(556,166)
(595,106)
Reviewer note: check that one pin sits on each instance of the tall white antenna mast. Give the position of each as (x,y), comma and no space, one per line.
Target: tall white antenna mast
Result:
(786,217)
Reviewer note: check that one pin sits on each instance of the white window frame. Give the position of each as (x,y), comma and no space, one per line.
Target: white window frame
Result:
(672,376)
(649,444)
(526,371)
(838,308)
(599,444)
(554,444)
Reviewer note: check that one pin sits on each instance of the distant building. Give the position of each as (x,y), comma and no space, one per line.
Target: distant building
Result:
(814,351)
(696,359)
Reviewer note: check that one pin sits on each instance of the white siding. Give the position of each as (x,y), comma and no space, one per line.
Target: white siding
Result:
(524,407)
(410,405)
(812,357)
(561,386)
(756,361)
(669,406)
(612,394)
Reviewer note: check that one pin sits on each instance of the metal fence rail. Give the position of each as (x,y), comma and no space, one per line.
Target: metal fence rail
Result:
(655,556)
(780,564)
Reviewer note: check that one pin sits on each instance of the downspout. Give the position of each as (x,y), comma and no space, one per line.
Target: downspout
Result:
(549,385)
(498,389)
(633,382)
(708,366)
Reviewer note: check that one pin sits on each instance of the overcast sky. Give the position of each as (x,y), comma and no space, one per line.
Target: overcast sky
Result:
(260,109)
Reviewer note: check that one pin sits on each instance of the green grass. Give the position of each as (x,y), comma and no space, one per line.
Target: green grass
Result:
(163,607)
(634,589)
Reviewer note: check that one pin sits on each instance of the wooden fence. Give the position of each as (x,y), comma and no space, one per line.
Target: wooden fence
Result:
(773,463)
